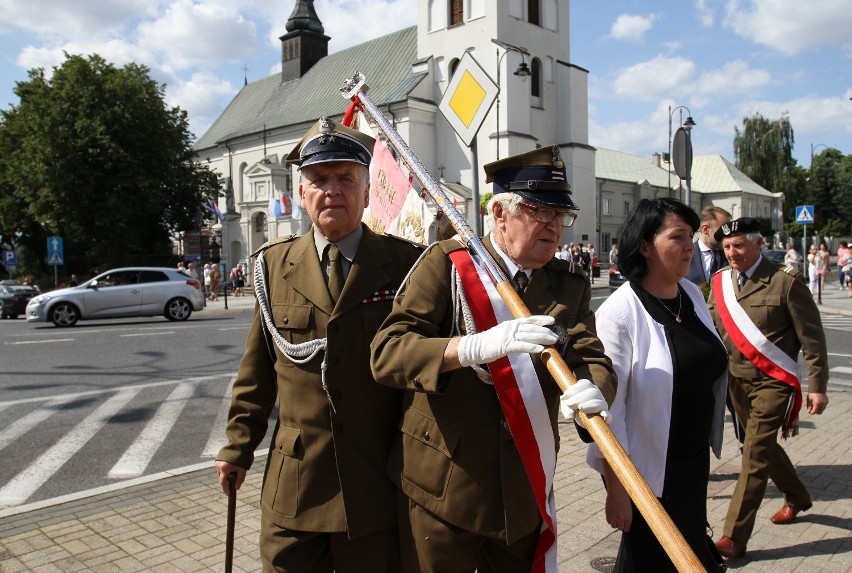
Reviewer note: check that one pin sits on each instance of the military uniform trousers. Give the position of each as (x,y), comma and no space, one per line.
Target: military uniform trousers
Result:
(761,405)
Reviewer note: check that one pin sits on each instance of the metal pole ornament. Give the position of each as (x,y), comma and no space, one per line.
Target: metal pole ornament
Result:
(675,545)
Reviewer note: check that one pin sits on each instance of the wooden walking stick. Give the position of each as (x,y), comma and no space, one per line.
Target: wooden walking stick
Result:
(661,524)
(232,515)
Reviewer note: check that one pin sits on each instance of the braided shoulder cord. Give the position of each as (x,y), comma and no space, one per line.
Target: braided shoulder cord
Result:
(298,353)
(460,305)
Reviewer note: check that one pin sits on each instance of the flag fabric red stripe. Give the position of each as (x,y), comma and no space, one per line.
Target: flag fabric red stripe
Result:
(519,392)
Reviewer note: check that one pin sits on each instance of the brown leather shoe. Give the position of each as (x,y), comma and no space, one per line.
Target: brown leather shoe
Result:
(729,548)
(788,513)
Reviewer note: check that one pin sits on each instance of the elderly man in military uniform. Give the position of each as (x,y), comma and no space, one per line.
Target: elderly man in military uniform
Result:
(327,504)
(457,459)
(766,315)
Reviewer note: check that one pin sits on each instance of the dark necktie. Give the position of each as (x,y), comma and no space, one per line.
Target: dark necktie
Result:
(716,262)
(742,278)
(522,281)
(335,272)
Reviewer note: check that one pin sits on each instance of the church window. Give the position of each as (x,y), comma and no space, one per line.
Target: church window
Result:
(535,69)
(456,12)
(534,12)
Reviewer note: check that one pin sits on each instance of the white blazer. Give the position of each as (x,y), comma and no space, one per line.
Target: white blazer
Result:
(642,359)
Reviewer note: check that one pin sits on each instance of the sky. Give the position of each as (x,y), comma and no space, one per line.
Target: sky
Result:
(722,60)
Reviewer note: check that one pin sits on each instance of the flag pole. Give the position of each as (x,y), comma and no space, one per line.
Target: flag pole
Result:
(675,545)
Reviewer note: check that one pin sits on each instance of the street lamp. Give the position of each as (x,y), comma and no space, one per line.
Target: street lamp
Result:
(805,232)
(688,125)
(523,71)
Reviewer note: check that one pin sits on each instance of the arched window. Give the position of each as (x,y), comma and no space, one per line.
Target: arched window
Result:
(534,12)
(454,64)
(456,12)
(535,77)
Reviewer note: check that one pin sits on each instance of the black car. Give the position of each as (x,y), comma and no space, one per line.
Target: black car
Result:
(616,279)
(775,255)
(14,299)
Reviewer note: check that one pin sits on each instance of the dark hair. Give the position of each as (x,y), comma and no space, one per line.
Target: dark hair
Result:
(641,225)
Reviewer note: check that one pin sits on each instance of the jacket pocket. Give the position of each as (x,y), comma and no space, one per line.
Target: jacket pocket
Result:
(428,453)
(293,321)
(281,484)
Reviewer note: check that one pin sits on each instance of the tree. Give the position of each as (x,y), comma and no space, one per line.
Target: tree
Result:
(94,155)
(826,192)
(763,150)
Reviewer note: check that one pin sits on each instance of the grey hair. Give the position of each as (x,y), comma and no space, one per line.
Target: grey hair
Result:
(753,237)
(509,201)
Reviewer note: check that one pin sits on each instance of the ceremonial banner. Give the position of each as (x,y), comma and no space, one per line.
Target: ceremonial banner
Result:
(415,221)
(388,188)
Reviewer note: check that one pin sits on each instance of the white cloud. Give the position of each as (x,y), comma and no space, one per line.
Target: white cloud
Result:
(733,77)
(631,28)
(190,34)
(660,77)
(81,19)
(791,26)
(705,14)
(116,52)
(815,119)
(349,23)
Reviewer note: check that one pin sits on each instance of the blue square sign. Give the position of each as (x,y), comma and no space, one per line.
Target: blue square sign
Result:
(805,214)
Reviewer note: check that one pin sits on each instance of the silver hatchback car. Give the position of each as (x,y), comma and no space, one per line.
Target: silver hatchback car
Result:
(131,291)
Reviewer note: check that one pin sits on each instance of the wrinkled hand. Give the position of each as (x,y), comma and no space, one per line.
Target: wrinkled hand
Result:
(583,397)
(518,335)
(222,471)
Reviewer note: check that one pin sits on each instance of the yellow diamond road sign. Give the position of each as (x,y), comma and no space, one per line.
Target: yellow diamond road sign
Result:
(468,98)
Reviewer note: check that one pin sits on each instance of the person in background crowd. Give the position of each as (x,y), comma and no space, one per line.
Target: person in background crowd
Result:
(190,270)
(215,280)
(792,257)
(766,317)
(669,410)
(206,273)
(843,256)
(326,503)
(72,282)
(708,256)
(613,255)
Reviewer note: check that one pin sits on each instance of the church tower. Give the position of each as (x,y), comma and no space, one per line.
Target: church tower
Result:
(305,42)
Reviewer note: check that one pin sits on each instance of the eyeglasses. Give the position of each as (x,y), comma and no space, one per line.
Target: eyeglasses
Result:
(546,215)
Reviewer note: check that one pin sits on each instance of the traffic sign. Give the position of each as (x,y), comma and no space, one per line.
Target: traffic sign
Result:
(805,214)
(54,251)
(10,257)
(468,98)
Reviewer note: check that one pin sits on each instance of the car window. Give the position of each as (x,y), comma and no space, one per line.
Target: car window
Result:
(4,290)
(152,277)
(118,278)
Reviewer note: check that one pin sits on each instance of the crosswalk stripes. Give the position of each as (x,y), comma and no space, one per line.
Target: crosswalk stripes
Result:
(217,439)
(837,322)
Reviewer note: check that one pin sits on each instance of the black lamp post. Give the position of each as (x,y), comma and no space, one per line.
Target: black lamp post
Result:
(687,125)
(523,71)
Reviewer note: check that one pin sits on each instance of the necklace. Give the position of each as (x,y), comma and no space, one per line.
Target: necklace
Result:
(676,315)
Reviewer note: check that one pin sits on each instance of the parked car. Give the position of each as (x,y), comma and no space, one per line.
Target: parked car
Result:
(14,299)
(775,255)
(136,291)
(616,279)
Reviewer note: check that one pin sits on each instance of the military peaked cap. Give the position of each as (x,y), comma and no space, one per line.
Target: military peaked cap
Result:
(538,175)
(328,141)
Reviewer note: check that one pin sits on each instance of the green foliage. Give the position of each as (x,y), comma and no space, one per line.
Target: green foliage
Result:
(94,155)
(763,150)
(483,202)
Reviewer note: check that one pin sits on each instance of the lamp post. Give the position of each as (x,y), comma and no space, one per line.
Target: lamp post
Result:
(686,157)
(805,232)
(522,72)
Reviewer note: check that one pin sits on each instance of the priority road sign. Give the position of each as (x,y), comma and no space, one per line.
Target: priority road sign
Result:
(468,98)
(54,251)
(805,214)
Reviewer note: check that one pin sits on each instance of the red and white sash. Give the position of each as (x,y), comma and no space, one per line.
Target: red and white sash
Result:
(522,401)
(748,338)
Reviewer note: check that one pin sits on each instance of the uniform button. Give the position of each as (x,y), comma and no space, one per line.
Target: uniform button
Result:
(286,320)
(334,328)
(427,437)
(418,384)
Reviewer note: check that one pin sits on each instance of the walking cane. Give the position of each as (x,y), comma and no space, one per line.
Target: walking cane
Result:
(661,524)
(232,514)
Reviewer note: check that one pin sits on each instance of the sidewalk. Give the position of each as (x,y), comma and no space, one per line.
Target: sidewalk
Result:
(176,521)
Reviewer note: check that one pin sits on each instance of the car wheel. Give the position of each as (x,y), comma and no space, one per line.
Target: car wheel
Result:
(178,309)
(64,314)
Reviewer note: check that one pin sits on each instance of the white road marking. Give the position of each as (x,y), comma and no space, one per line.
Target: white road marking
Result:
(148,334)
(840,370)
(217,439)
(39,341)
(137,457)
(23,485)
(28,422)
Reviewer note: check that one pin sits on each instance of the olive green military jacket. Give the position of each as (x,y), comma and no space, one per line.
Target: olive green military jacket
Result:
(454,454)
(778,301)
(326,468)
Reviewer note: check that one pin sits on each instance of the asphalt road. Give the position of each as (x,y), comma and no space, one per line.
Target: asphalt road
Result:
(108,401)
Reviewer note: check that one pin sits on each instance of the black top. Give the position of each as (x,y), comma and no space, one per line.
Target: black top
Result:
(698,359)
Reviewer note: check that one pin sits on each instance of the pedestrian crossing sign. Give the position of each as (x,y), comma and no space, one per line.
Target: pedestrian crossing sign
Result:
(805,214)
(468,98)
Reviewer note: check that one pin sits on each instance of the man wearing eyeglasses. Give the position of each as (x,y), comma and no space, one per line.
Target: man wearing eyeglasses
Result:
(457,461)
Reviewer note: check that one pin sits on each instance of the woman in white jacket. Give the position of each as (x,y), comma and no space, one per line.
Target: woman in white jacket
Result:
(672,380)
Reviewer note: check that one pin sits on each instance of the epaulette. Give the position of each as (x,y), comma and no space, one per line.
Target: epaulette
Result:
(418,246)
(791,270)
(273,242)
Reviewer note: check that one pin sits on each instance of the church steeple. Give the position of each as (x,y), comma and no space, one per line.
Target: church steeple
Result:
(305,42)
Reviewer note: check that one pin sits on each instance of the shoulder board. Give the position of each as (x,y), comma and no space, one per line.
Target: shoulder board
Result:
(790,270)
(274,242)
(449,245)
(418,246)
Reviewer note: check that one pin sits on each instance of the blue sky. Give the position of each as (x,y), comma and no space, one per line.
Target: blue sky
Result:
(723,60)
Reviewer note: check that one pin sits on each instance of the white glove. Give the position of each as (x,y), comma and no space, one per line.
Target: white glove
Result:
(518,335)
(583,397)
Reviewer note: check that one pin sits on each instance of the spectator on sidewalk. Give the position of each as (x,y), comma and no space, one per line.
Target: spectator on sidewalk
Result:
(792,257)
(843,256)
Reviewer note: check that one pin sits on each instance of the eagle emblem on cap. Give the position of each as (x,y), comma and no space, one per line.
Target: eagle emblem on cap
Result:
(557,158)
(326,125)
